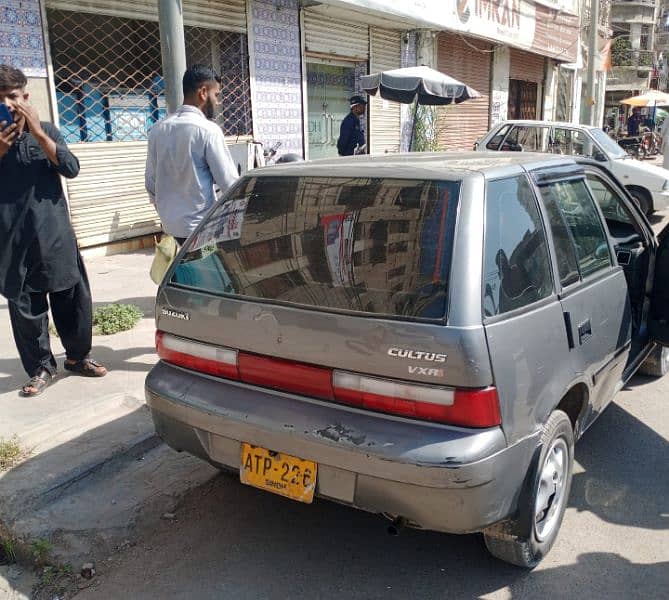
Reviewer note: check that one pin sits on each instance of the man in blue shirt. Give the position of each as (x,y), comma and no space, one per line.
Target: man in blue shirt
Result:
(186,155)
(351,135)
(634,122)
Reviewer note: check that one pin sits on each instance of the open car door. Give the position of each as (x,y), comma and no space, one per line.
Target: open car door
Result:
(658,322)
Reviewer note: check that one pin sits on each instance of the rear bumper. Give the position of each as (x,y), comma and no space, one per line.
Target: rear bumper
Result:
(442,478)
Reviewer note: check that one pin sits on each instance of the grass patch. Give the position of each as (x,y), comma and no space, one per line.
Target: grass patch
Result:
(114,318)
(55,582)
(11,452)
(40,549)
(7,552)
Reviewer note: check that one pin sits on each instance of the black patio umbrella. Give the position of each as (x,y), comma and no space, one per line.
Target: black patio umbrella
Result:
(417,85)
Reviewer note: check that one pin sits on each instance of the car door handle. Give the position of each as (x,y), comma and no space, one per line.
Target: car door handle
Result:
(584,331)
(570,334)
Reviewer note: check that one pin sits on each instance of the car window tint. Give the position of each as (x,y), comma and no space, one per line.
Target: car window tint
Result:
(610,202)
(571,142)
(527,138)
(370,245)
(565,253)
(585,225)
(517,267)
(496,140)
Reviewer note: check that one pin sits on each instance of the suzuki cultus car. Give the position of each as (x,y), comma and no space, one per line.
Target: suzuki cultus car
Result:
(418,336)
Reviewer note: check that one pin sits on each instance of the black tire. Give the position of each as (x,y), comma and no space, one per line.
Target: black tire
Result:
(642,199)
(657,363)
(523,541)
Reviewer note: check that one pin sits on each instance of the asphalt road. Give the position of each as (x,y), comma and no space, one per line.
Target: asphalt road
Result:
(232,541)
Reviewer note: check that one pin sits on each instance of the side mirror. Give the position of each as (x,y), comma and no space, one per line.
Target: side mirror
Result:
(600,156)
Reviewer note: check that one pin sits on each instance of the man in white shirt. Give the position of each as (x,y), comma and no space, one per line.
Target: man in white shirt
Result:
(187,154)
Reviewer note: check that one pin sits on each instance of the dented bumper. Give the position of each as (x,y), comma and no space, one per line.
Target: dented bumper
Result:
(437,477)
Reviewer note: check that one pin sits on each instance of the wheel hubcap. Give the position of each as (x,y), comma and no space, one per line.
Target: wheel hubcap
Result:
(550,494)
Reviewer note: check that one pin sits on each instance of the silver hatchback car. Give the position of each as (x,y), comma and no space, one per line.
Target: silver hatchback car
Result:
(420,336)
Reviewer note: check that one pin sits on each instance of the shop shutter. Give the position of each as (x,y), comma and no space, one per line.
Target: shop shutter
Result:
(325,36)
(227,15)
(526,66)
(460,125)
(384,116)
(108,201)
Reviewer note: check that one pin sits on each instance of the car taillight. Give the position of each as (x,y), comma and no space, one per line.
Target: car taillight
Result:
(205,358)
(469,408)
(286,375)
(464,407)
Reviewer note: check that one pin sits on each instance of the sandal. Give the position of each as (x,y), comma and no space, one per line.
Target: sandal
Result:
(86,367)
(38,383)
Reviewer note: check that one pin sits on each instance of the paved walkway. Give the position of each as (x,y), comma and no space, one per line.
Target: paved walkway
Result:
(96,466)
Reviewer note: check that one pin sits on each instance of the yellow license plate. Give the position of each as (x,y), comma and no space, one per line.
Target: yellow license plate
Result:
(278,473)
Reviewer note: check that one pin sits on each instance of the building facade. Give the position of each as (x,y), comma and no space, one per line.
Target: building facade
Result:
(288,68)
(633,56)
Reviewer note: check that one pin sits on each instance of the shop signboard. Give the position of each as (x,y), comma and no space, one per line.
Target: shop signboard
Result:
(546,27)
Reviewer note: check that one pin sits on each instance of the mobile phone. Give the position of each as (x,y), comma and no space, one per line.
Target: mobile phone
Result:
(5,115)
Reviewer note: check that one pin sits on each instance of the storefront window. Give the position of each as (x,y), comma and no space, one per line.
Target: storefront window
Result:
(329,88)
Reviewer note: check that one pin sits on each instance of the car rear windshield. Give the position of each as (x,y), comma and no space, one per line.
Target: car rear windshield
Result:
(369,245)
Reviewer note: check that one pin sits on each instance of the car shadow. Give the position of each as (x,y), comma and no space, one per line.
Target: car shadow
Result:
(228,540)
(625,472)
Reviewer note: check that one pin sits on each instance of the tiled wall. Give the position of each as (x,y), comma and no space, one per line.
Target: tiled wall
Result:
(21,40)
(278,89)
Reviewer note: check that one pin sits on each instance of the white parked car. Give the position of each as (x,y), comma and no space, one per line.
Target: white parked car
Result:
(648,184)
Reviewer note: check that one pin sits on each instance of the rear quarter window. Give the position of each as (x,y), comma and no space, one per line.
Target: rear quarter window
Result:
(517,269)
(369,245)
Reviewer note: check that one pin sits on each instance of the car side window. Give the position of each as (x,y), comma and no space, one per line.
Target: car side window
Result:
(610,202)
(565,253)
(527,138)
(583,222)
(571,142)
(517,268)
(496,140)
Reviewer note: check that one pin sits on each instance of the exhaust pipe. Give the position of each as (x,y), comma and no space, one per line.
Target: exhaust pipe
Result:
(396,526)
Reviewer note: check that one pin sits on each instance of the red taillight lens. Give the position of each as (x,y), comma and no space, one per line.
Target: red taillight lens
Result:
(286,375)
(476,408)
(214,360)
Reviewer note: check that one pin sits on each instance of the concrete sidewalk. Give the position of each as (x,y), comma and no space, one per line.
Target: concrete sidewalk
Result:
(96,466)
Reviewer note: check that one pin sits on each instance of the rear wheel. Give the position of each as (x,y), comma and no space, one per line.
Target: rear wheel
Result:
(525,540)
(657,363)
(642,199)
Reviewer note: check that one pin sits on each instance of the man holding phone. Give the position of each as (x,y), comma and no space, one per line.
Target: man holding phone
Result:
(38,250)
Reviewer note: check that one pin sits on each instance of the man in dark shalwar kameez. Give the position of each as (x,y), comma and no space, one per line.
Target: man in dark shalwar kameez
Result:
(38,250)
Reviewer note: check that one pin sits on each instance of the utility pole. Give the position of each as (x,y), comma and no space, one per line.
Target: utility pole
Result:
(593,38)
(173,50)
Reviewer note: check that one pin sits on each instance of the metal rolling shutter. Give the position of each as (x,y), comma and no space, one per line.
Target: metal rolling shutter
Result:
(227,15)
(527,66)
(460,125)
(335,38)
(108,201)
(384,116)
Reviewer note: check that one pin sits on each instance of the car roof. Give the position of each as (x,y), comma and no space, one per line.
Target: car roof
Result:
(418,165)
(544,123)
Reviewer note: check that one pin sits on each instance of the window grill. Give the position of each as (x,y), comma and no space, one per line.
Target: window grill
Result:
(108,75)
